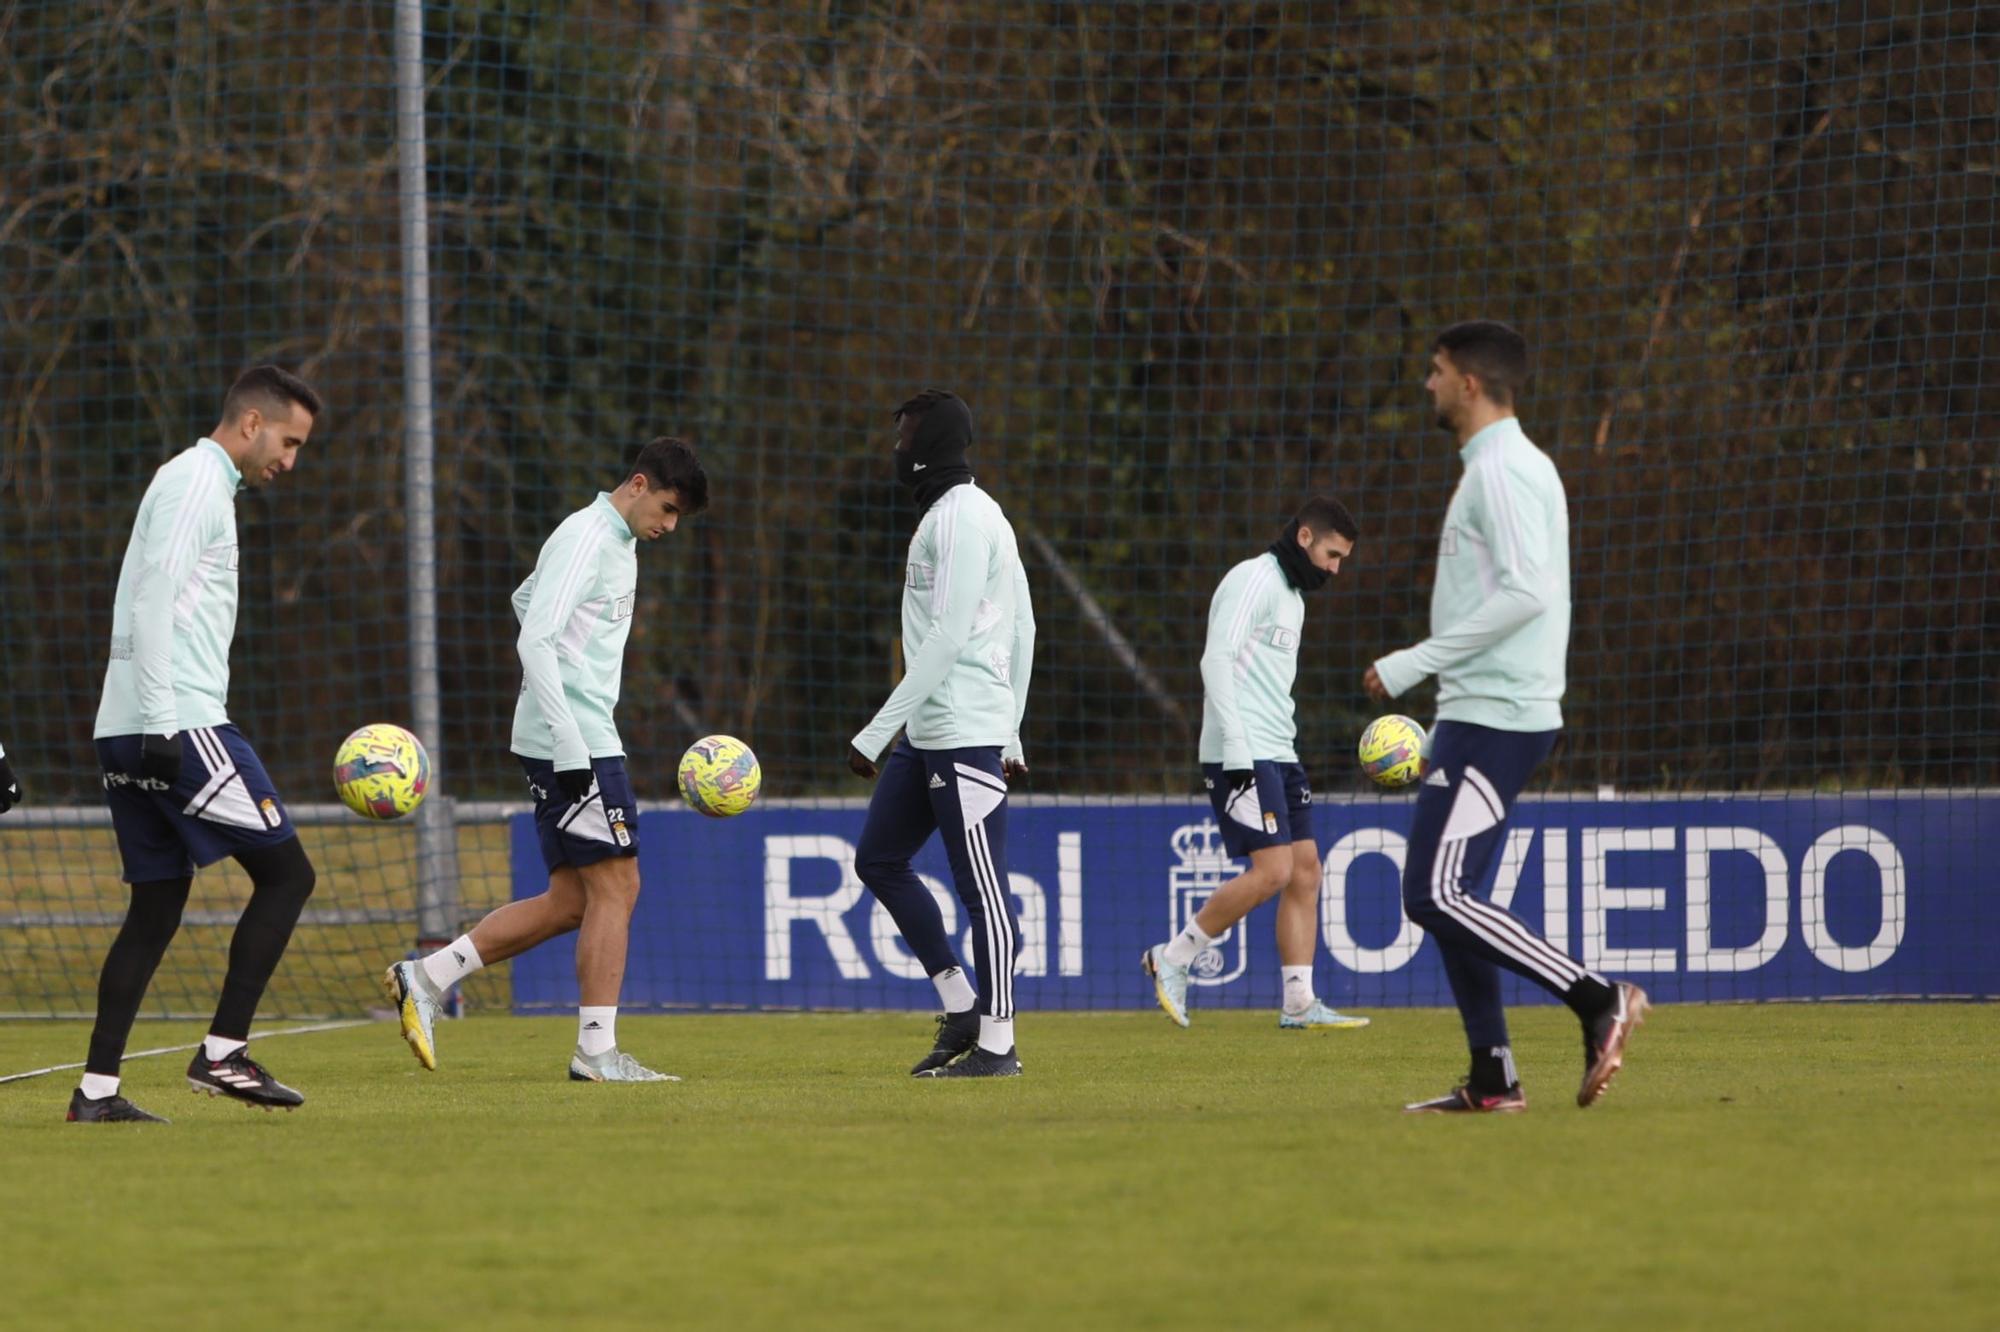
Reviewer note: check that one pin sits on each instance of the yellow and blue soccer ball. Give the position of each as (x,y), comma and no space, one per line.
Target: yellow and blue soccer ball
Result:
(381,771)
(719,776)
(1392,752)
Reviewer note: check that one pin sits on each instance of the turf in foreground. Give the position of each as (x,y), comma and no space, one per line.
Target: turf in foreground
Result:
(1824,1166)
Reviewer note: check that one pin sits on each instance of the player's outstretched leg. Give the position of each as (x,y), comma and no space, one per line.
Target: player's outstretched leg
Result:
(420,989)
(1167,964)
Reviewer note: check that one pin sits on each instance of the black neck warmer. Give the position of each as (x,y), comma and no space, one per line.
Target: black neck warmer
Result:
(935,460)
(1299,570)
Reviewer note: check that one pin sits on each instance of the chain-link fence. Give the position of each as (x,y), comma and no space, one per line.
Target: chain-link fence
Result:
(1185,262)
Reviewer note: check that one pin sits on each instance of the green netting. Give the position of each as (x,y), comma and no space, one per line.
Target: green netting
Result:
(1184,260)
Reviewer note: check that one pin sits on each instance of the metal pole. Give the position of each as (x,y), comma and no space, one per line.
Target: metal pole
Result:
(437,838)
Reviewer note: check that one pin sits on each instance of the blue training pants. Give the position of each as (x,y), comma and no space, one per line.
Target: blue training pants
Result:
(1460,823)
(961,794)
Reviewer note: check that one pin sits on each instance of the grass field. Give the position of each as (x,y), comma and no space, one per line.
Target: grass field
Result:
(1796,1166)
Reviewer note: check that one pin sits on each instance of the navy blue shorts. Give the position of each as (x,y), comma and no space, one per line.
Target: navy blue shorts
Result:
(1277,811)
(222,803)
(603,824)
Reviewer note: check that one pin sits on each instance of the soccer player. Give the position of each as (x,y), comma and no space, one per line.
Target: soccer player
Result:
(184,786)
(1258,788)
(969,645)
(1500,614)
(10,785)
(575,611)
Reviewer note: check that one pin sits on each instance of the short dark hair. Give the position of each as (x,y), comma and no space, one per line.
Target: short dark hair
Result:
(267,387)
(1492,351)
(923,402)
(670,464)
(1324,515)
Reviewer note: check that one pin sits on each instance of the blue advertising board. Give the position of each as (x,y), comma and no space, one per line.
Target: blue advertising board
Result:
(1729,898)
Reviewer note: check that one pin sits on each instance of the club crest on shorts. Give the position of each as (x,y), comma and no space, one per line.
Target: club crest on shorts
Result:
(269,809)
(615,816)
(1271,822)
(1201,866)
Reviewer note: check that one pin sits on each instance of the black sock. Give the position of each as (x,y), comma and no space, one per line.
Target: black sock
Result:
(150,923)
(1493,1069)
(283,879)
(1590,998)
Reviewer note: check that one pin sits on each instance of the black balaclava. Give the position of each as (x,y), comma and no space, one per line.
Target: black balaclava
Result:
(935,460)
(1301,571)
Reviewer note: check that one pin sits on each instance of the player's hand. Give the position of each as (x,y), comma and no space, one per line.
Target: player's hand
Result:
(860,764)
(160,758)
(575,783)
(1238,780)
(1372,683)
(1013,768)
(10,786)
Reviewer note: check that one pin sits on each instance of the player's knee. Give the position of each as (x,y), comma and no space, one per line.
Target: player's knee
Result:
(155,913)
(1418,904)
(1267,879)
(615,881)
(875,868)
(284,869)
(301,878)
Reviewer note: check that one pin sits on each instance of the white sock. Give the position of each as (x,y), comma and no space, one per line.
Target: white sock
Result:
(596,1029)
(219,1048)
(1299,994)
(996,1035)
(1183,947)
(955,992)
(450,964)
(97,1086)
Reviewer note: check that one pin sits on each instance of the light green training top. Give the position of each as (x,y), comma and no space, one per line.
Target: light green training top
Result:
(1255,620)
(174,615)
(968,633)
(1500,608)
(575,611)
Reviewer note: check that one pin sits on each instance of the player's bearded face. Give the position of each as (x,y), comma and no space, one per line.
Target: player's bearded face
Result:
(275,449)
(1328,551)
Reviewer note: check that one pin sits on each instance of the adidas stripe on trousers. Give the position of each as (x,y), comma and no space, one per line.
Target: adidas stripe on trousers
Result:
(1457,831)
(961,795)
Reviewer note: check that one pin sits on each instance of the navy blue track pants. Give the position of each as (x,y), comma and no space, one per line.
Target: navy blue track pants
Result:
(960,794)
(1460,825)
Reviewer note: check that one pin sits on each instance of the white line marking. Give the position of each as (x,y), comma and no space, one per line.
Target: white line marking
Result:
(182,1049)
